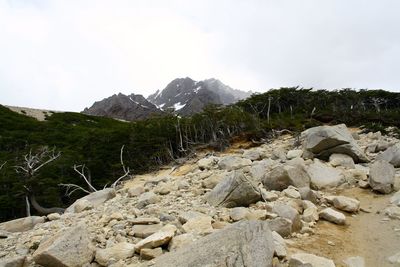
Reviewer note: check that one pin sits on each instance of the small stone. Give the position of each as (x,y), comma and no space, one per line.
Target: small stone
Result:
(395,259)
(281,225)
(162,237)
(341,160)
(381,176)
(346,203)
(185,216)
(143,231)
(296,153)
(117,252)
(53,216)
(332,215)
(363,184)
(147,199)
(135,191)
(292,193)
(393,212)
(183,185)
(238,213)
(395,199)
(149,254)
(310,214)
(330,243)
(269,196)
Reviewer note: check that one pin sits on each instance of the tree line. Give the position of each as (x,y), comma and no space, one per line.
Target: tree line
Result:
(94,143)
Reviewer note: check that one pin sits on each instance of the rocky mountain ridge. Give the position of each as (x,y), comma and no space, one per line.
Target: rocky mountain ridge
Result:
(124,107)
(272,205)
(183,96)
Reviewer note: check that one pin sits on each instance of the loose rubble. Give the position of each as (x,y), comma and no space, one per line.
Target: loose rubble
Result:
(244,207)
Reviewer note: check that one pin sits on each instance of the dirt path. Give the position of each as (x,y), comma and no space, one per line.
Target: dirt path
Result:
(367,234)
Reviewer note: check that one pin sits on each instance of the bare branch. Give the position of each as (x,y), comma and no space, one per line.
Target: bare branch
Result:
(71,188)
(122,160)
(52,157)
(120,178)
(82,174)
(2,165)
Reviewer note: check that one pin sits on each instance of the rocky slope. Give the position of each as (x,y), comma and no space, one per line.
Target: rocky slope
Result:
(39,114)
(125,107)
(188,97)
(330,202)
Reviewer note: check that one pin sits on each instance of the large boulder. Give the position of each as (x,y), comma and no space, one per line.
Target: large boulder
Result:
(230,163)
(280,177)
(322,141)
(21,224)
(391,155)
(381,176)
(233,191)
(246,243)
(95,199)
(323,176)
(67,248)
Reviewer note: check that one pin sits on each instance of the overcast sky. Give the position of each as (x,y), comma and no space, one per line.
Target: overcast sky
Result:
(65,55)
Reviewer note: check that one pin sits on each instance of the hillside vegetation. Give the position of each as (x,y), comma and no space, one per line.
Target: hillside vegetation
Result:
(96,141)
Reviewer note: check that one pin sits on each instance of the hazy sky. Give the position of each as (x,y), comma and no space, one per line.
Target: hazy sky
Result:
(66,54)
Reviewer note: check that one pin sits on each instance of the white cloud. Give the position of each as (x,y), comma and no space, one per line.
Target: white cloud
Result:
(67,54)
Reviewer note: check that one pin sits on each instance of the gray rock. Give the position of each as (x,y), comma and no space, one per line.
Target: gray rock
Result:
(333,216)
(307,194)
(13,262)
(67,248)
(341,160)
(309,260)
(135,191)
(160,238)
(394,259)
(246,243)
(147,198)
(393,212)
(290,213)
(395,199)
(208,163)
(188,215)
(296,153)
(323,141)
(117,252)
(281,225)
(252,154)
(346,203)
(322,176)
(355,262)
(280,245)
(234,190)
(231,163)
(310,214)
(238,213)
(381,176)
(82,205)
(143,231)
(95,198)
(199,225)
(280,177)
(22,224)
(391,155)
(259,168)
(149,254)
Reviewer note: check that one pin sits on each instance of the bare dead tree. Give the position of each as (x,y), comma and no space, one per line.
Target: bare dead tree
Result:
(80,169)
(28,169)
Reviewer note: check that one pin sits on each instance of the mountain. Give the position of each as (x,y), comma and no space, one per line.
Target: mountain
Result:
(188,97)
(125,107)
(184,95)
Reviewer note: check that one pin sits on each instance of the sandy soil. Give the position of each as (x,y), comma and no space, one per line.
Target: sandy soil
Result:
(367,234)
